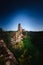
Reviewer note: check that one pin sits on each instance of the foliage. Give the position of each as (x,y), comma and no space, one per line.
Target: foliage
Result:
(18,46)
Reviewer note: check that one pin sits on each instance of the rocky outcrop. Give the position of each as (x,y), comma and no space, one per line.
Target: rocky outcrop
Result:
(6,55)
(18,35)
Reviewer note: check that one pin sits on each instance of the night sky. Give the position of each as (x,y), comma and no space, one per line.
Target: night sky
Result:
(27,12)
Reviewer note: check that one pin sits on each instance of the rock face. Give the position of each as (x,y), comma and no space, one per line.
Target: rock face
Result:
(6,55)
(18,35)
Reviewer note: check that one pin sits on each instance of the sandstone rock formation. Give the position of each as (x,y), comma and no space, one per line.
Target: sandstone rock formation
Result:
(18,35)
(6,55)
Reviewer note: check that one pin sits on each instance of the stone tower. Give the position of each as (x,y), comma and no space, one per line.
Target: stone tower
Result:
(19,27)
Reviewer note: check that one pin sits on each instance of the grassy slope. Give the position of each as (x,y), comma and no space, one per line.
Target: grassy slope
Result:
(28,54)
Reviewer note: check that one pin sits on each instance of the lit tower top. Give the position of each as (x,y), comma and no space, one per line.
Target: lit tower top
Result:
(19,27)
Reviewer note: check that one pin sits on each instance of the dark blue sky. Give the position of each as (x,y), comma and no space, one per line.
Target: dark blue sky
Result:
(27,12)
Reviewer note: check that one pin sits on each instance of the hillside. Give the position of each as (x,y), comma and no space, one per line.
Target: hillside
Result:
(28,51)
